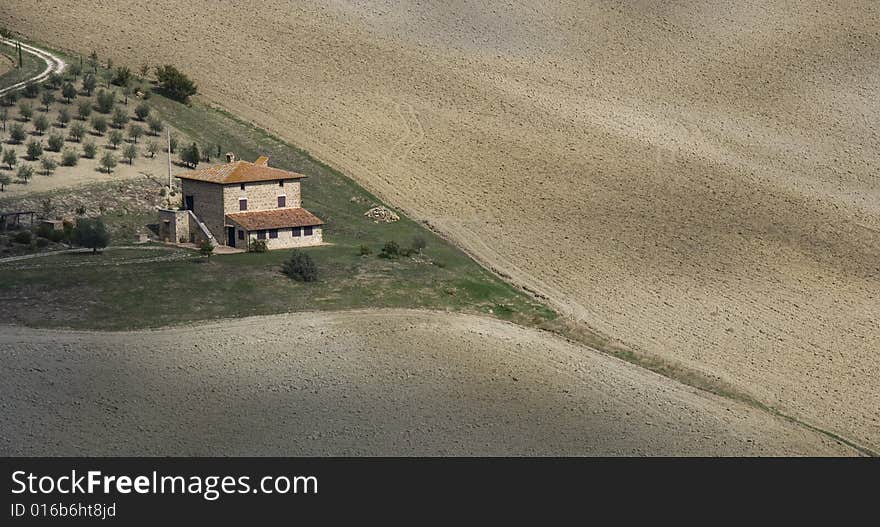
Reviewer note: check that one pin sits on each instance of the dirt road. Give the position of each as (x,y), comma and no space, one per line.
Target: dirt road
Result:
(359,383)
(53,64)
(695,179)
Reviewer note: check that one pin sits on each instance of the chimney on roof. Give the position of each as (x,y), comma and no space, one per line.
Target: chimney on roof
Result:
(262,161)
(230,157)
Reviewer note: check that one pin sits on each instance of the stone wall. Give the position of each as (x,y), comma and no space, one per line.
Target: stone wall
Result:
(285,239)
(207,205)
(174,225)
(261,196)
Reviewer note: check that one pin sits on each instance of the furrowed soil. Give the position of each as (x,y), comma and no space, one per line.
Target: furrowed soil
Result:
(697,180)
(360,383)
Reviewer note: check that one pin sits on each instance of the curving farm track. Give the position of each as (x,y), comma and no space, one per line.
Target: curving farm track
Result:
(53,64)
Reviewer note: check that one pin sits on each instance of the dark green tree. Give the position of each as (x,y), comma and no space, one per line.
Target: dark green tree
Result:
(175,84)
(68,91)
(190,155)
(91,233)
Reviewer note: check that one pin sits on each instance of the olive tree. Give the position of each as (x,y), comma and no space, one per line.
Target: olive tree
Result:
(130,152)
(34,149)
(48,164)
(41,124)
(115,138)
(77,131)
(108,161)
(135,132)
(84,109)
(63,117)
(68,91)
(10,158)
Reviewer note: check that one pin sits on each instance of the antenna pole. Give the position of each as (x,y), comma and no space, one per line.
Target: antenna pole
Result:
(168,138)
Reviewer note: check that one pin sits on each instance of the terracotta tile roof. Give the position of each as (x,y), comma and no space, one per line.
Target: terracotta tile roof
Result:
(275,219)
(239,172)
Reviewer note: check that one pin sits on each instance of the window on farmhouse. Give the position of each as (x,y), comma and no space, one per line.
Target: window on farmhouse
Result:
(280,182)
(242,204)
(307,231)
(297,231)
(273,233)
(242,186)
(261,235)
(282,201)
(240,235)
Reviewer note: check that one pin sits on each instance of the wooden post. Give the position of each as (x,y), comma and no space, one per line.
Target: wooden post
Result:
(20,63)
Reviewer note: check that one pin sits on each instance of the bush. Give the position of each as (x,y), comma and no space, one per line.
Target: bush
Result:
(365,250)
(90,149)
(206,248)
(69,157)
(257,246)
(42,243)
(301,267)
(419,243)
(55,142)
(152,148)
(390,250)
(91,234)
(175,84)
(22,237)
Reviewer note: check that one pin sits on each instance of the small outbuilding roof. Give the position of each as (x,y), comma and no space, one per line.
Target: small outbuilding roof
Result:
(240,172)
(275,219)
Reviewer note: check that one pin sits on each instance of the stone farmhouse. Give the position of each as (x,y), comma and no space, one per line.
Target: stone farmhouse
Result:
(238,202)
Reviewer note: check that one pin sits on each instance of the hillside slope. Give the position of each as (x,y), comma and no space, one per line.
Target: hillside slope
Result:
(695,178)
(360,383)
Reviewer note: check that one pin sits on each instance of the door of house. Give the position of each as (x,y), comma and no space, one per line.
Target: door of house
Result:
(230,236)
(189,203)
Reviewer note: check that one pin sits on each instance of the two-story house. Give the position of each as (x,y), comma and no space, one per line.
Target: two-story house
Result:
(234,203)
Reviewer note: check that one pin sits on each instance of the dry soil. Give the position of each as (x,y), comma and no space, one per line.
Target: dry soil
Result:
(697,179)
(359,383)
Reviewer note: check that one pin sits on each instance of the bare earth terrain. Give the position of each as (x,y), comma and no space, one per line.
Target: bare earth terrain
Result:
(695,179)
(359,383)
